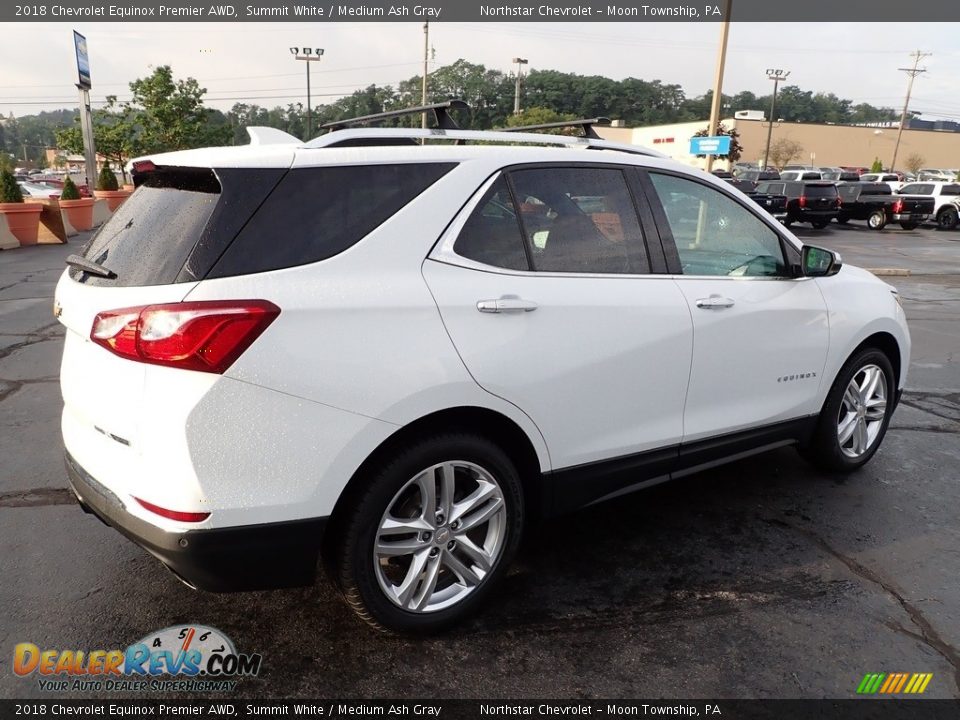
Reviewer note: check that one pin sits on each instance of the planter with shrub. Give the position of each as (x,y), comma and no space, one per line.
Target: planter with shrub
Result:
(23,218)
(79,210)
(109,189)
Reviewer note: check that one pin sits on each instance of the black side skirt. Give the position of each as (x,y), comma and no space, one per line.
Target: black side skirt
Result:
(571,488)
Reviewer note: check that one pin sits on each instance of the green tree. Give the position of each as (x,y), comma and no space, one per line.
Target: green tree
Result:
(115,134)
(541,116)
(70,191)
(168,114)
(9,189)
(877,166)
(107,179)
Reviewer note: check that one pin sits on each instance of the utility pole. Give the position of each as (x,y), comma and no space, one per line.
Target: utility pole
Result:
(718,79)
(307,55)
(912,72)
(520,62)
(777,76)
(426,68)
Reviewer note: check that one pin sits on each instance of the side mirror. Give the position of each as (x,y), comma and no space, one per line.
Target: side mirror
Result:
(818,262)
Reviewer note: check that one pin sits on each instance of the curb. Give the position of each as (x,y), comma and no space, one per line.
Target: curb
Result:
(889,272)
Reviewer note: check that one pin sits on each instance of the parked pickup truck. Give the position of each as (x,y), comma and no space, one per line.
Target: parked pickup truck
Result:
(812,201)
(876,203)
(944,196)
(774,204)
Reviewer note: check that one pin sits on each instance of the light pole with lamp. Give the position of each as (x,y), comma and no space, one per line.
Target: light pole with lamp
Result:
(309,55)
(777,76)
(520,62)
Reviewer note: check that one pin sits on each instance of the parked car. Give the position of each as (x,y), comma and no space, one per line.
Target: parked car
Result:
(892,179)
(758,175)
(841,176)
(944,194)
(935,175)
(814,202)
(877,204)
(39,190)
(446,347)
(58,183)
(800,175)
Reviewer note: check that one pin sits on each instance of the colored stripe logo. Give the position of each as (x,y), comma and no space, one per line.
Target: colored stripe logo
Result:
(894,683)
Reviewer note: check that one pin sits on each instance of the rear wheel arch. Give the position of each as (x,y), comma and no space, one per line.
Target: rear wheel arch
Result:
(486,423)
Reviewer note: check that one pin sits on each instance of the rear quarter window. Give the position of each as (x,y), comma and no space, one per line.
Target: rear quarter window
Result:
(317,212)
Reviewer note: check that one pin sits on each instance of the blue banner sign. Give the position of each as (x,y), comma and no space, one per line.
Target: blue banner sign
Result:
(719,145)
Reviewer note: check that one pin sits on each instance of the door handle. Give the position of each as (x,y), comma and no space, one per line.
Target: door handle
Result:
(714,302)
(506,304)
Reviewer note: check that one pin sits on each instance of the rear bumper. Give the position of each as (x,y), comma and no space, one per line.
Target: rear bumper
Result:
(251,557)
(917,217)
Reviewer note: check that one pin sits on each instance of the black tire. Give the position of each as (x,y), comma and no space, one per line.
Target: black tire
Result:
(877,220)
(909,225)
(351,557)
(819,224)
(787,222)
(824,449)
(947,218)
(842,220)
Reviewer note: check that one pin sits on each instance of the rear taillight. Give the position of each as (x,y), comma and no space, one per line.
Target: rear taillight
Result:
(207,336)
(839,203)
(173,514)
(898,206)
(803,201)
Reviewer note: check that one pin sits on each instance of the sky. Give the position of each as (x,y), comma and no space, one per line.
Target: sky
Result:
(251,62)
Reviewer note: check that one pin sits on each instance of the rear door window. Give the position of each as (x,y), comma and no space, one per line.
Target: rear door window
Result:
(318,212)
(579,219)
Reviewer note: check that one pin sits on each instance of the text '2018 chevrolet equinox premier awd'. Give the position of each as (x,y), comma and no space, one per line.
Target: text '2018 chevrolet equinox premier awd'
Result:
(392,355)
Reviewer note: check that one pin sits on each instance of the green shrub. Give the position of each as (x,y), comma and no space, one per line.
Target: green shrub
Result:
(10,192)
(877,166)
(69,191)
(107,180)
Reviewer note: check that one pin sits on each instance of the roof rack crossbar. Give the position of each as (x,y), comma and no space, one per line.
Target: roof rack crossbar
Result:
(586,124)
(440,111)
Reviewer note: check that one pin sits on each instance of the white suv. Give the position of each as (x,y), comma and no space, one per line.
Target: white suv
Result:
(393,355)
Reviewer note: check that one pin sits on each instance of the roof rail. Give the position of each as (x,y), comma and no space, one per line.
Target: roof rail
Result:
(440,111)
(586,124)
(391,136)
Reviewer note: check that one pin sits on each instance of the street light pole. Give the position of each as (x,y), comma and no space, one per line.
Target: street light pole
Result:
(718,79)
(307,54)
(777,76)
(520,62)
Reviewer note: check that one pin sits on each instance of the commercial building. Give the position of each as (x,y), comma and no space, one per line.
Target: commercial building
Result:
(823,145)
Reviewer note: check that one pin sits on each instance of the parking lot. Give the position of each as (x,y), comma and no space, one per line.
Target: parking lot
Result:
(763,578)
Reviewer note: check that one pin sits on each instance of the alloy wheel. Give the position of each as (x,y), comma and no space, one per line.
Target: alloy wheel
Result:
(440,536)
(862,411)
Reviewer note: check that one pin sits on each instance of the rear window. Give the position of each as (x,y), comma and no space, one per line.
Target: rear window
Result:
(815,191)
(317,212)
(148,238)
(176,225)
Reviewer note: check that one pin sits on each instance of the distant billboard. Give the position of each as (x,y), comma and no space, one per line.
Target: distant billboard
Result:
(83,60)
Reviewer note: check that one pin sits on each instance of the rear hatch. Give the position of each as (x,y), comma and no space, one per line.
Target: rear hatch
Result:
(153,250)
(819,196)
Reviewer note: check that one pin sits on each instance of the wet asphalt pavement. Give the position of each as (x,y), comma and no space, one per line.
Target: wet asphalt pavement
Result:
(763,578)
